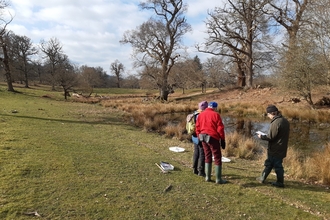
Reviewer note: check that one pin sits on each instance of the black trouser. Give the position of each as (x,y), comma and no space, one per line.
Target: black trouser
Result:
(276,163)
(199,159)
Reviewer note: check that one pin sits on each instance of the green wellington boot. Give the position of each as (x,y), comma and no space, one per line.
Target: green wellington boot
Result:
(218,171)
(208,169)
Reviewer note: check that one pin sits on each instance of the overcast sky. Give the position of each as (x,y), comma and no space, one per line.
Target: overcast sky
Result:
(90,31)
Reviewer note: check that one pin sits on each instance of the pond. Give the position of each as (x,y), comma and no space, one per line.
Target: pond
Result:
(303,135)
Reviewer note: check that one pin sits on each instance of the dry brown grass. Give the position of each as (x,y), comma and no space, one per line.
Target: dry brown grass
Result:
(308,115)
(293,164)
(242,147)
(176,132)
(317,166)
(313,168)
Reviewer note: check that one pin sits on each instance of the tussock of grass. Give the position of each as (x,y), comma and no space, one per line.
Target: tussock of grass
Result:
(324,164)
(317,166)
(293,164)
(242,147)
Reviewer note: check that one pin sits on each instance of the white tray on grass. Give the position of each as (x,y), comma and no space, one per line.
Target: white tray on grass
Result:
(223,159)
(177,149)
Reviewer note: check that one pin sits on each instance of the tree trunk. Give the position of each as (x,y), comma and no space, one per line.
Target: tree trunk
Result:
(5,61)
(118,81)
(249,79)
(241,80)
(249,59)
(9,81)
(164,90)
(26,81)
(164,93)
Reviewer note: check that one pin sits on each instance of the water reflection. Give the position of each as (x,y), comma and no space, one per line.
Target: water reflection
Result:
(303,135)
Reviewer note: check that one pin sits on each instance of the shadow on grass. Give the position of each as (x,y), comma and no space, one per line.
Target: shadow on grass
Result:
(289,184)
(105,120)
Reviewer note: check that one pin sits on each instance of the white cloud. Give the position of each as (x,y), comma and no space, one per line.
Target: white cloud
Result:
(90,31)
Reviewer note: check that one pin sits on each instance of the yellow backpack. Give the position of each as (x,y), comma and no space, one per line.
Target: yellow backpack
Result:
(191,122)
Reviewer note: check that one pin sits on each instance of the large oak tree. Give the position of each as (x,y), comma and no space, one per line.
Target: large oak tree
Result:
(3,42)
(21,51)
(156,41)
(234,31)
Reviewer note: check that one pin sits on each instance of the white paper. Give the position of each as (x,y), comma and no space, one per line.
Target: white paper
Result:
(261,133)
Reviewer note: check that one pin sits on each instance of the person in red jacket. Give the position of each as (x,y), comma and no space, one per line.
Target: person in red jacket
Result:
(211,131)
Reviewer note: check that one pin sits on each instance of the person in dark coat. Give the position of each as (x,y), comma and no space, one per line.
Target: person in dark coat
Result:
(198,157)
(278,138)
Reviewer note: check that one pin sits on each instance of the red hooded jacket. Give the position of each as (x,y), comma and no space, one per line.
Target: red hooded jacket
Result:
(209,122)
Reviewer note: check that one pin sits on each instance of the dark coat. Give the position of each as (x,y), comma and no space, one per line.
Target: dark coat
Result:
(278,137)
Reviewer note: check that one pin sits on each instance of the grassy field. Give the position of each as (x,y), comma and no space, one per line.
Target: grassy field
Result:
(68,160)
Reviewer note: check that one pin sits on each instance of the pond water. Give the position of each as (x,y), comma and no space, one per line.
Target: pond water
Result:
(303,135)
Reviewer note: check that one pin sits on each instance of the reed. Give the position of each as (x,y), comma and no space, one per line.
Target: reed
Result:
(313,168)
(294,164)
(318,165)
(241,146)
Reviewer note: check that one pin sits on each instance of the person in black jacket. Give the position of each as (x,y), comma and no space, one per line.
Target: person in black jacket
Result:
(278,138)
(198,156)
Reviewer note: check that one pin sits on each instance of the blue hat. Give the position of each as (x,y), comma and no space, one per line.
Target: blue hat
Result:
(213,105)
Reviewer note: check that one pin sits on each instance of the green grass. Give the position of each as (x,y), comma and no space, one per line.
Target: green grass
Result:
(69,160)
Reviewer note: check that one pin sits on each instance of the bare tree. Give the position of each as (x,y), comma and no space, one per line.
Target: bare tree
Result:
(89,78)
(38,67)
(218,72)
(117,68)
(302,67)
(233,32)
(290,15)
(131,82)
(54,55)
(158,39)
(305,64)
(185,75)
(66,76)
(320,30)
(149,77)
(3,41)
(22,50)
(305,72)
